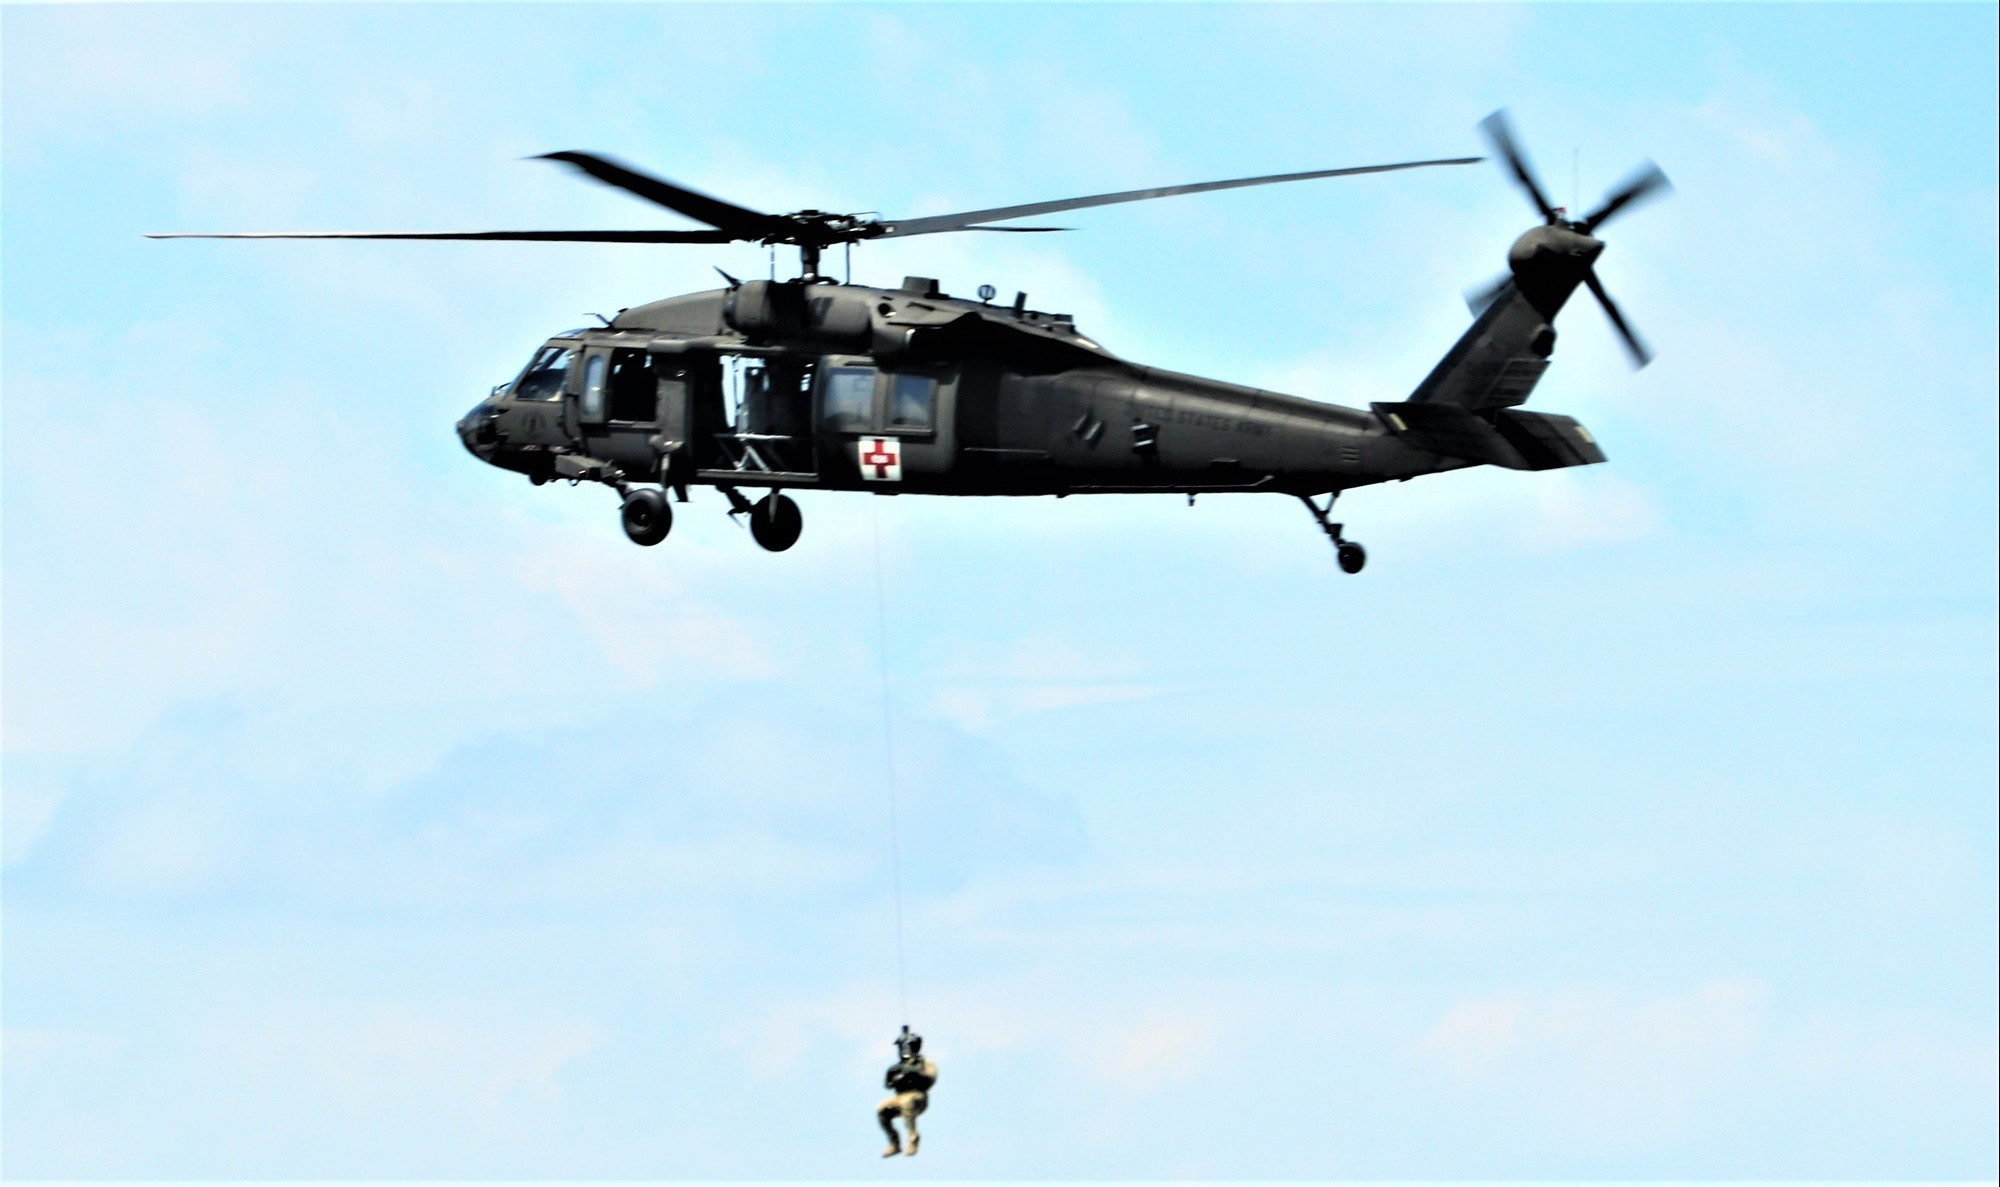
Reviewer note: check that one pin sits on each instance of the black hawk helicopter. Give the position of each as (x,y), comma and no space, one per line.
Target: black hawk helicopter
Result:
(813,384)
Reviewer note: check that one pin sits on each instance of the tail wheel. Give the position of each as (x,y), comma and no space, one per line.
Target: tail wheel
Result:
(775,522)
(646,517)
(1352,557)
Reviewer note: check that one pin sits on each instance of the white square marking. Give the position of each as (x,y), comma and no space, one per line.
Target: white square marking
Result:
(881,459)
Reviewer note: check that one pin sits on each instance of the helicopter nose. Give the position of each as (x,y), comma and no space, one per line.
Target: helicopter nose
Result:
(478,431)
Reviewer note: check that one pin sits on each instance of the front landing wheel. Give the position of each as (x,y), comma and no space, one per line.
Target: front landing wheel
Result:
(1352,556)
(775,522)
(646,517)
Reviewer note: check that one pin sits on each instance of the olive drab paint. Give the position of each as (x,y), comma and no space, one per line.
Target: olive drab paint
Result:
(809,384)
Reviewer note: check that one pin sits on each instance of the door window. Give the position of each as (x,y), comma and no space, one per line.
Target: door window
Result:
(593,387)
(849,398)
(912,402)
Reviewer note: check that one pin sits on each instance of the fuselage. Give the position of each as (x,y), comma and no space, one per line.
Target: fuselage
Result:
(847,387)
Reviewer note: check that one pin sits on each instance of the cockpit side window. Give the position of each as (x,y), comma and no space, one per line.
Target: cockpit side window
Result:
(546,375)
(848,402)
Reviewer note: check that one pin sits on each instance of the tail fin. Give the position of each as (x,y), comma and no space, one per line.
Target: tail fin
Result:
(1466,407)
(1497,362)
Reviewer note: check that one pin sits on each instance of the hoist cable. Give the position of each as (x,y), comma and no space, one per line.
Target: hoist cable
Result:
(889,754)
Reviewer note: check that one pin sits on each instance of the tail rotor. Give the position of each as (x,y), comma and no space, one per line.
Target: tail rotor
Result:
(1644,184)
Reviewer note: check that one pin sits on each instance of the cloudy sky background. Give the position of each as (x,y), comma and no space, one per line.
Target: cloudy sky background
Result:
(369,812)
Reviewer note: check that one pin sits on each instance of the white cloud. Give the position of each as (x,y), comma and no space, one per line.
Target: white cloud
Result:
(647,621)
(28,1052)
(169,844)
(397,1059)
(89,63)
(1159,1050)
(1600,1071)
(1574,510)
(977,682)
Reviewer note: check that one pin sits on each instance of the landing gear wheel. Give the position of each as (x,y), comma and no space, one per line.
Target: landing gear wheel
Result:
(775,522)
(646,517)
(1352,556)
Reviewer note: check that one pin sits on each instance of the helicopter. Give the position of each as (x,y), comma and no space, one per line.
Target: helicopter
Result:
(814,384)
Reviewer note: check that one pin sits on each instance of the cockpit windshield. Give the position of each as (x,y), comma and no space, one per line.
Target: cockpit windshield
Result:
(545,376)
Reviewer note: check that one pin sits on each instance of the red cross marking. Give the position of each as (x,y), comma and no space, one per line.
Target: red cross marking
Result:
(880,456)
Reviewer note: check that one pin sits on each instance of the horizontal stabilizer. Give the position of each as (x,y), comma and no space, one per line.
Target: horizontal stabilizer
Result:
(1547,441)
(1513,439)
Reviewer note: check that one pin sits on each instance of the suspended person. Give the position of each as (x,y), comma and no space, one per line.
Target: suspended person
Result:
(909,1081)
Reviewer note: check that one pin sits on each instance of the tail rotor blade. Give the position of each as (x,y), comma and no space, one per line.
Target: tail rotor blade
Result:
(1480,299)
(1499,133)
(1645,183)
(1634,346)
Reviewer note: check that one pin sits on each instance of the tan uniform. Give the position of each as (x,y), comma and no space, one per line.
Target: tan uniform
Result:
(910,1083)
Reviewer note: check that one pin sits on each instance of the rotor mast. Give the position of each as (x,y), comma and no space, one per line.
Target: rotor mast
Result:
(813,231)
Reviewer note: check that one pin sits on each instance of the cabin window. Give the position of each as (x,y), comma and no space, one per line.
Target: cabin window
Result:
(635,391)
(848,400)
(912,401)
(546,375)
(593,387)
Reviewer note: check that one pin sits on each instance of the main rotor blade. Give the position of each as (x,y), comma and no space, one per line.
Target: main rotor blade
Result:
(1499,131)
(967,219)
(1646,182)
(740,222)
(526,236)
(1640,355)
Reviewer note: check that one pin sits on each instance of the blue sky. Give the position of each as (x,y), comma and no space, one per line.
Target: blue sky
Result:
(369,812)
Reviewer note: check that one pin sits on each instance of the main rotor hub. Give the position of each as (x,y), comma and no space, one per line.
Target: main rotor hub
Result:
(822,228)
